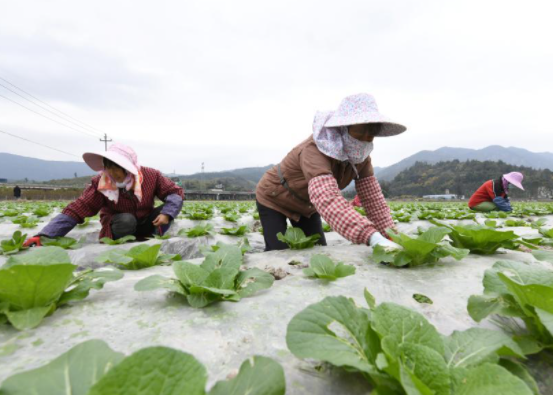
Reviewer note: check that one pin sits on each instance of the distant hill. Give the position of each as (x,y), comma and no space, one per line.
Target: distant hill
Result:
(510,155)
(232,180)
(16,167)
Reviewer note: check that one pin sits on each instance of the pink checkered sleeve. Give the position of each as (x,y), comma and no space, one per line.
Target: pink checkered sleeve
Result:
(374,203)
(337,212)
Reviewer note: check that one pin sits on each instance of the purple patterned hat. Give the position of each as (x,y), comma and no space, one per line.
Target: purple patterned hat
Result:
(360,109)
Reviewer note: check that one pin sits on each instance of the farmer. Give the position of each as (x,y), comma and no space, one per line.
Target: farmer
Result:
(17,192)
(493,194)
(123,192)
(306,185)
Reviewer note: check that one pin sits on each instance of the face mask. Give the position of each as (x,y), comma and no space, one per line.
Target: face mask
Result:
(121,184)
(356,150)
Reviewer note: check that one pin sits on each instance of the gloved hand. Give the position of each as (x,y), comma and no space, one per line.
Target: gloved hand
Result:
(502,204)
(378,239)
(33,242)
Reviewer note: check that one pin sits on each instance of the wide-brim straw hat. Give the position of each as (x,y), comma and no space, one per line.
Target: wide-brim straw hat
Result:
(514,178)
(121,154)
(362,109)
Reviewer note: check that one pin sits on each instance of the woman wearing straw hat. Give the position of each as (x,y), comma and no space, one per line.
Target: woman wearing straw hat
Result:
(124,194)
(306,185)
(493,194)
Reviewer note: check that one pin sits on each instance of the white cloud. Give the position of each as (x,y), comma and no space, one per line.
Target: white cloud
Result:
(237,83)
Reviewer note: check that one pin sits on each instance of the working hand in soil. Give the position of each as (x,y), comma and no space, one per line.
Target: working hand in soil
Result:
(161,219)
(32,242)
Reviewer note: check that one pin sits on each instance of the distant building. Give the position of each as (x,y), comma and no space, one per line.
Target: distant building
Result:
(3,180)
(442,197)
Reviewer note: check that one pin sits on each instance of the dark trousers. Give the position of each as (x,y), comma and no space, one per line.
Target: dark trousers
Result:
(274,222)
(126,224)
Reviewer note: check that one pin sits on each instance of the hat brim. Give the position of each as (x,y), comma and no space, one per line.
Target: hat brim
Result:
(95,160)
(388,128)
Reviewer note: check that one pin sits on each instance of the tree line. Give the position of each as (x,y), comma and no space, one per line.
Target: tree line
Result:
(463,178)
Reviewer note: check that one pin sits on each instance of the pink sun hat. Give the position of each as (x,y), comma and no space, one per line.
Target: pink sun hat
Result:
(361,109)
(514,178)
(118,153)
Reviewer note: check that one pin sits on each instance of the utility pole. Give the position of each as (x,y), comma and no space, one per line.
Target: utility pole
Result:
(105,140)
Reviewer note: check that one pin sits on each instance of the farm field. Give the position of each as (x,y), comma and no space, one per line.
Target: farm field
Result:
(468,297)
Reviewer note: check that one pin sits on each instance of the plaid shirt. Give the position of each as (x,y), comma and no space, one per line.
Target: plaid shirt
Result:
(92,201)
(340,215)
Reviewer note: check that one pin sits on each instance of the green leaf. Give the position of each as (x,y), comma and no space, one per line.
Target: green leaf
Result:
(92,279)
(420,298)
(333,330)
(425,366)
(13,245)
(475,346)
(73,372)
(323,267)
(543,255)
(296,239)
(198,230)
(143,256)
(489,379)
(481,306)
(535,295)
(397,325)
(156,281)
(369,298)
(175,372)
(239,231)
(117,257)
(257,376)
(189,274)
(518,370)
(28,318)
(252,280)
(122,240)
(62,242)
(40,256)
(228,256)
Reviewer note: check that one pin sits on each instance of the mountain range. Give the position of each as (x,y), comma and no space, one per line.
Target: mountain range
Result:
(15,167)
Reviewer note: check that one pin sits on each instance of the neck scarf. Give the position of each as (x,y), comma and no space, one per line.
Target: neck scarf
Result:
(109,187)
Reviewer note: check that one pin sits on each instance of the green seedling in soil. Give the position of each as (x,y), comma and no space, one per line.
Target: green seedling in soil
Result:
(67,243)
(296,239)
(119,241)
(93,368)
(140,257)
(399,352)
(321,266)
(198,231)
(239,231)
(13,245)
(428,247)
(516,290)
(34,285)
(243,244)
(218,278)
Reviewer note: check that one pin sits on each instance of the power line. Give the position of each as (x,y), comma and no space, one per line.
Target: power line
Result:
(51,119)
(52,107)
(34,142)
(50,111)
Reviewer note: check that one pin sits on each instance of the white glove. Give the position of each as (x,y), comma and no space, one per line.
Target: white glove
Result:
(378,239)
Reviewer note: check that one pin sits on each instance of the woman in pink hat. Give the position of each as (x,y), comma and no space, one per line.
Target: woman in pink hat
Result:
(493,194)
(123,192)
(306,185)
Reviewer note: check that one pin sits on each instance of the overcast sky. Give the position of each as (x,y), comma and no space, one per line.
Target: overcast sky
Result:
(236,83)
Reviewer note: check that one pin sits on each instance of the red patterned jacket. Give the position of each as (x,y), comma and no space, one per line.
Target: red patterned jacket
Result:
(92,201)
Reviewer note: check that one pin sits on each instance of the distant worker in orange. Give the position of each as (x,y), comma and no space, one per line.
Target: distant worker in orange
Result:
(493,194)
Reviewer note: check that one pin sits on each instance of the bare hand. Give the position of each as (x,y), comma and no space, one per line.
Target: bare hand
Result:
(161,219)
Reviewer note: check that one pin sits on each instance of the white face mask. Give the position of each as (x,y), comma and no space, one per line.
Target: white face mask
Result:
(121,184)
(356,150)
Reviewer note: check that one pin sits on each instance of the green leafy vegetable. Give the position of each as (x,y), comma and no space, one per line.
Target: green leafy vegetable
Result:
(239,231)
(34,285)
(324,268)
(13,245)
(426,248)
(139,257)
(296,239)
(243,244)
(218,278)
(518,290)
(121,240)
(64,242)
(93,368)
(479,239)
(400,352)
(198,230)
(26,221)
